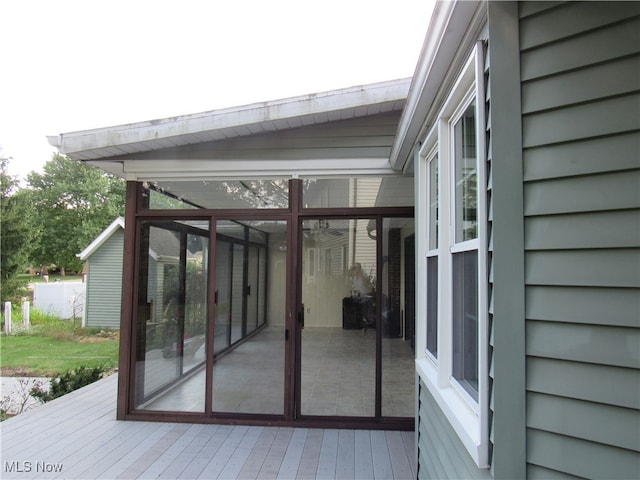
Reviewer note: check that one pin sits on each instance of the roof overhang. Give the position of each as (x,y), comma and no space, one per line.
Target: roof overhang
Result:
(452,24)
(117,224)
(110,145)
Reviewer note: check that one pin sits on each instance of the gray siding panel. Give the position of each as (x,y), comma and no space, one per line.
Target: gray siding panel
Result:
(576,86)
(581,50)
(580,457)
(615,306)
(619,427)
(589,193)
(603,345)
(104,283)
(580,67)
(570,19)
(534,472)
(440,451)
(584,230)
(610,268)
(582,121)
(597,155)
(617,386)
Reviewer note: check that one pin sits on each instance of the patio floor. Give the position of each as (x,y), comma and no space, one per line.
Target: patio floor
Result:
(77,436)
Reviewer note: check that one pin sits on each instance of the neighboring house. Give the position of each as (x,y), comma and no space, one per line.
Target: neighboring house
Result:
(103,260)
(521,133)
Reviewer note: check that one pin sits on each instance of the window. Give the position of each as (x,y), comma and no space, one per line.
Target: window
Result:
(432,255)
(452,361)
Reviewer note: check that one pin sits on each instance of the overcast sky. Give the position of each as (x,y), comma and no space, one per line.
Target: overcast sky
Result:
(71,65)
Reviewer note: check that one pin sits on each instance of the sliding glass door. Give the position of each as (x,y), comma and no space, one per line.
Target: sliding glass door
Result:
(355,360)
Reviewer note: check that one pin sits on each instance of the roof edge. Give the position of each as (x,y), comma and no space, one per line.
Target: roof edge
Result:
(449,23)
(269,111)
(100,239)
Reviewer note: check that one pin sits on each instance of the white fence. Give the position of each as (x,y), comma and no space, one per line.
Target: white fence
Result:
(62,299)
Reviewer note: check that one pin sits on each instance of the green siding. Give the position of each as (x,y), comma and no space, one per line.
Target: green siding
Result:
(581,160)
(618,386)
(104,283)
(581,458)
(589,156)
(440,453)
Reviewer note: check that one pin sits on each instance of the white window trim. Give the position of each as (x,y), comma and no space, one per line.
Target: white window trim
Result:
(468,418)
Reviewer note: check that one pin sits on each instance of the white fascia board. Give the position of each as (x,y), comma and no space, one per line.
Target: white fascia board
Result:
(449,24)
(100,239)
(265,113)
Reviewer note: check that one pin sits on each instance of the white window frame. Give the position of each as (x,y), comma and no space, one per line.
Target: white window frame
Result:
(468,417)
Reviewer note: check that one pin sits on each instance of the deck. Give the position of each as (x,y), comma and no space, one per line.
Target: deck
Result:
(77,437)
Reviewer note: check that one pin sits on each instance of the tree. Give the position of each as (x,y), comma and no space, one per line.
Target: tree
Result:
(74,202)
(18,233)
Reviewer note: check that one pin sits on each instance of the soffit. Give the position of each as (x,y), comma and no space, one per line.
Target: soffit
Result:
(104,144)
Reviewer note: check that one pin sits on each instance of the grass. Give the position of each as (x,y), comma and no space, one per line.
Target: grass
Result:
(54,346)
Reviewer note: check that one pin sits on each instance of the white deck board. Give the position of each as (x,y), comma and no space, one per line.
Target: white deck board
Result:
(79,433)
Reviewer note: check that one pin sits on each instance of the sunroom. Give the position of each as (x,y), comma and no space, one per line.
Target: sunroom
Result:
(268,262)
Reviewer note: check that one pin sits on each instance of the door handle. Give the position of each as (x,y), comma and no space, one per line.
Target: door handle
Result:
(301,317)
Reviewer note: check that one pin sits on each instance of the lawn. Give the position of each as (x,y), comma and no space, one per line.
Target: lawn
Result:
(38,355)
(54,346)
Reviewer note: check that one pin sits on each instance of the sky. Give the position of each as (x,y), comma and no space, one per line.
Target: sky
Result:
(70,65)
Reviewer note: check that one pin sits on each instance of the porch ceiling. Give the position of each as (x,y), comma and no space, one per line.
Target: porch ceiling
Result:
(103,144)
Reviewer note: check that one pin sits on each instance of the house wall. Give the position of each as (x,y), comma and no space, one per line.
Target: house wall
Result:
(441,454)
(104,283)
(363,137)
(564,248)
(580,65)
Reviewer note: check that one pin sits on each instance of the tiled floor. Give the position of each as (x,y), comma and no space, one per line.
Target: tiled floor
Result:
(338,376)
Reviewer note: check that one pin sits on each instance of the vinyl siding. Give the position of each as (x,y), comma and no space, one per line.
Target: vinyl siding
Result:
(104,283)
(363,137)
(440,452)
(580,67)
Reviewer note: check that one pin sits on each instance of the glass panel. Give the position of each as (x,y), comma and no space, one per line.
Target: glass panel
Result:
(249,377)
(432,305)
(172,313)
(466,173)
(262,285)
(465,321)
(222,325)
(433,203)
(338,339)
(237,292)
(358,192)
(253,288)
(398,368)
(168,194)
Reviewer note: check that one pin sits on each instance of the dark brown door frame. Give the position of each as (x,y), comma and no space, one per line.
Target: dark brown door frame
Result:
(137,211)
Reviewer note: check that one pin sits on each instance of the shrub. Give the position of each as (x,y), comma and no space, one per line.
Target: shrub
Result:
(68,382)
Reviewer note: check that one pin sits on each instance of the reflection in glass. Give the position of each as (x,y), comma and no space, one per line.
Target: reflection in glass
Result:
(391,191)
(172,313)
(465,321)
(220,194)
(248,371)
(466,176)
(338,339)
(432,305)
(397,354)
(433,203)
